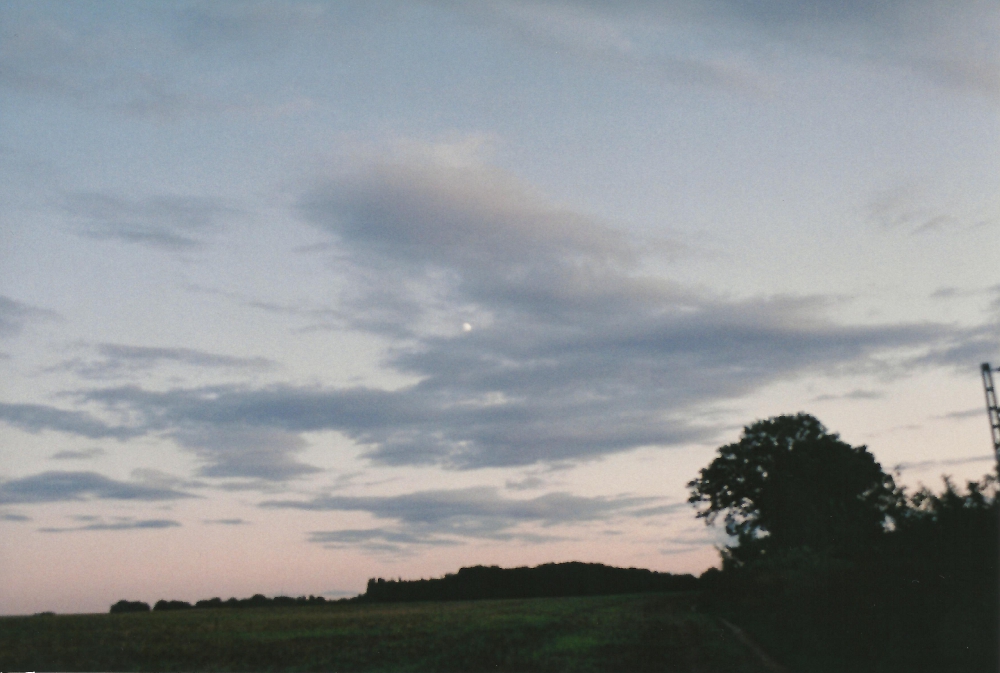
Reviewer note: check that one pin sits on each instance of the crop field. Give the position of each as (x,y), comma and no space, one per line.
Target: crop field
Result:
(641,632)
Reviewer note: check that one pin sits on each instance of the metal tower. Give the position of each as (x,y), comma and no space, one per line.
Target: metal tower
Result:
(991,406)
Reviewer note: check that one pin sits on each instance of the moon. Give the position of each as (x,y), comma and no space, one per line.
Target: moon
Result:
(466,327)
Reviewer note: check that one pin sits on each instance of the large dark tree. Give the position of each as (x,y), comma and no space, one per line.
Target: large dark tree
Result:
(789,483)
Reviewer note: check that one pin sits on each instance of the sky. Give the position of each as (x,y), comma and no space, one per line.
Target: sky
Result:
(297,294)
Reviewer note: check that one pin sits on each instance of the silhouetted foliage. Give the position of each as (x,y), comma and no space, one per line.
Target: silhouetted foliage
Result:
(130,606)
(789,483)
(549,580)
(918,592)
(255,601)
(162,605)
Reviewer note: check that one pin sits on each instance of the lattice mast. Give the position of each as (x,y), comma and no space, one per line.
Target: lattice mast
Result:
(991,406)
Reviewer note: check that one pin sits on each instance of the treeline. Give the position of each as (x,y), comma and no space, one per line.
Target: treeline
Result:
(921,597)
(548,580)
(479,582)
(255,601)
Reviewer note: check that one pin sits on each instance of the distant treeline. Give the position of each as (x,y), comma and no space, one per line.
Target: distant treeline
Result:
(255,601)
(551,579)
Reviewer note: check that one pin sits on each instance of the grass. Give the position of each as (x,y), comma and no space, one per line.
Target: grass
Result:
(643,632)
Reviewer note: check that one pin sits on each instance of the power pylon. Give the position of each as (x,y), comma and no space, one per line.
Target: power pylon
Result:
(991,406)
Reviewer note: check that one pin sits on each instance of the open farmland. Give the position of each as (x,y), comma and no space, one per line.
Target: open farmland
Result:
(649,632)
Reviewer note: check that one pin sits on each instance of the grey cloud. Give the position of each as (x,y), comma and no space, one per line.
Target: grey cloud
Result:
(962,415)
(14,315)
(612,36)
(858,394)
(39,417)
(949,43)
(449,517)
(170,222)
(255,27)
(127,524)
(662,509)
(227,522)
(85,454)
(435,507)
(118,360)
(573,353)
(54,53)
(71,486)
(143,68)
(378,540)
(14,517)
(928,464)
(525,484)
(235,450)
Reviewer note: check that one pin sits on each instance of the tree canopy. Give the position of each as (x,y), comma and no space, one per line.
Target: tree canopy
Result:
(790,483)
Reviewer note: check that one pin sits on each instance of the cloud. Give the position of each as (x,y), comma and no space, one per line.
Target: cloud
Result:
(921,465)
(14,517)
(236,450)
(378,540)
(633,39)
(72,486)
(857,394)
(227,522)
(123,524)
(258,28)
(86,454)
(719,42)
(14,315)
(170,222)
(574,352)
(115,360)
(526,484)
(447,517)
(39,417)
(44,52)
(962,415)
(163,64)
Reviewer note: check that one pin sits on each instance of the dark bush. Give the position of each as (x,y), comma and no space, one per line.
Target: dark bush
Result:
(130,606)
(171,605)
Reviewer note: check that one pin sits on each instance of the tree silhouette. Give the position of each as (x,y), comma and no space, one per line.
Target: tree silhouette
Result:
(789,483)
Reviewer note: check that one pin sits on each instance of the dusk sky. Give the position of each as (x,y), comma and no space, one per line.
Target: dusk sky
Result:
(296,294)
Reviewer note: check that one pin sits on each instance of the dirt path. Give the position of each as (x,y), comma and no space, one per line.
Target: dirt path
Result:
(768,663)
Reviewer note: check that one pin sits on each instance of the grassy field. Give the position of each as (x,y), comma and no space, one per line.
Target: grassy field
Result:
(646,632)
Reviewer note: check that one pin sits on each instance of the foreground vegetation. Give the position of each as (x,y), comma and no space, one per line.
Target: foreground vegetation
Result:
(838,569)
(640,632)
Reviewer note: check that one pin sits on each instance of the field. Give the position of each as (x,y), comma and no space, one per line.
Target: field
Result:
(643,632)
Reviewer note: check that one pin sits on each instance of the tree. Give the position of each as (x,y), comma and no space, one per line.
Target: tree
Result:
(789,483)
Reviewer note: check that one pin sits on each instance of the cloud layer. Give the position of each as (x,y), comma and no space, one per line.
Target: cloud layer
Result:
(57,486)
(532,332)
(446,517)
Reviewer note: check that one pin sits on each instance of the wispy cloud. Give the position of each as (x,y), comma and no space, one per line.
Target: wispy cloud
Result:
(920,465)
(85,454)
(39,417)
(120,524)
(962,415)
(116,360)
(858,394)
(7,516)
(14,315)
(72,486)
(449,517)
(172,222)
(948,43)
(531,331)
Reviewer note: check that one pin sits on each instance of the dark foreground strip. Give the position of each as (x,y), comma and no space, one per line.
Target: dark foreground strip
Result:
(769,663)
